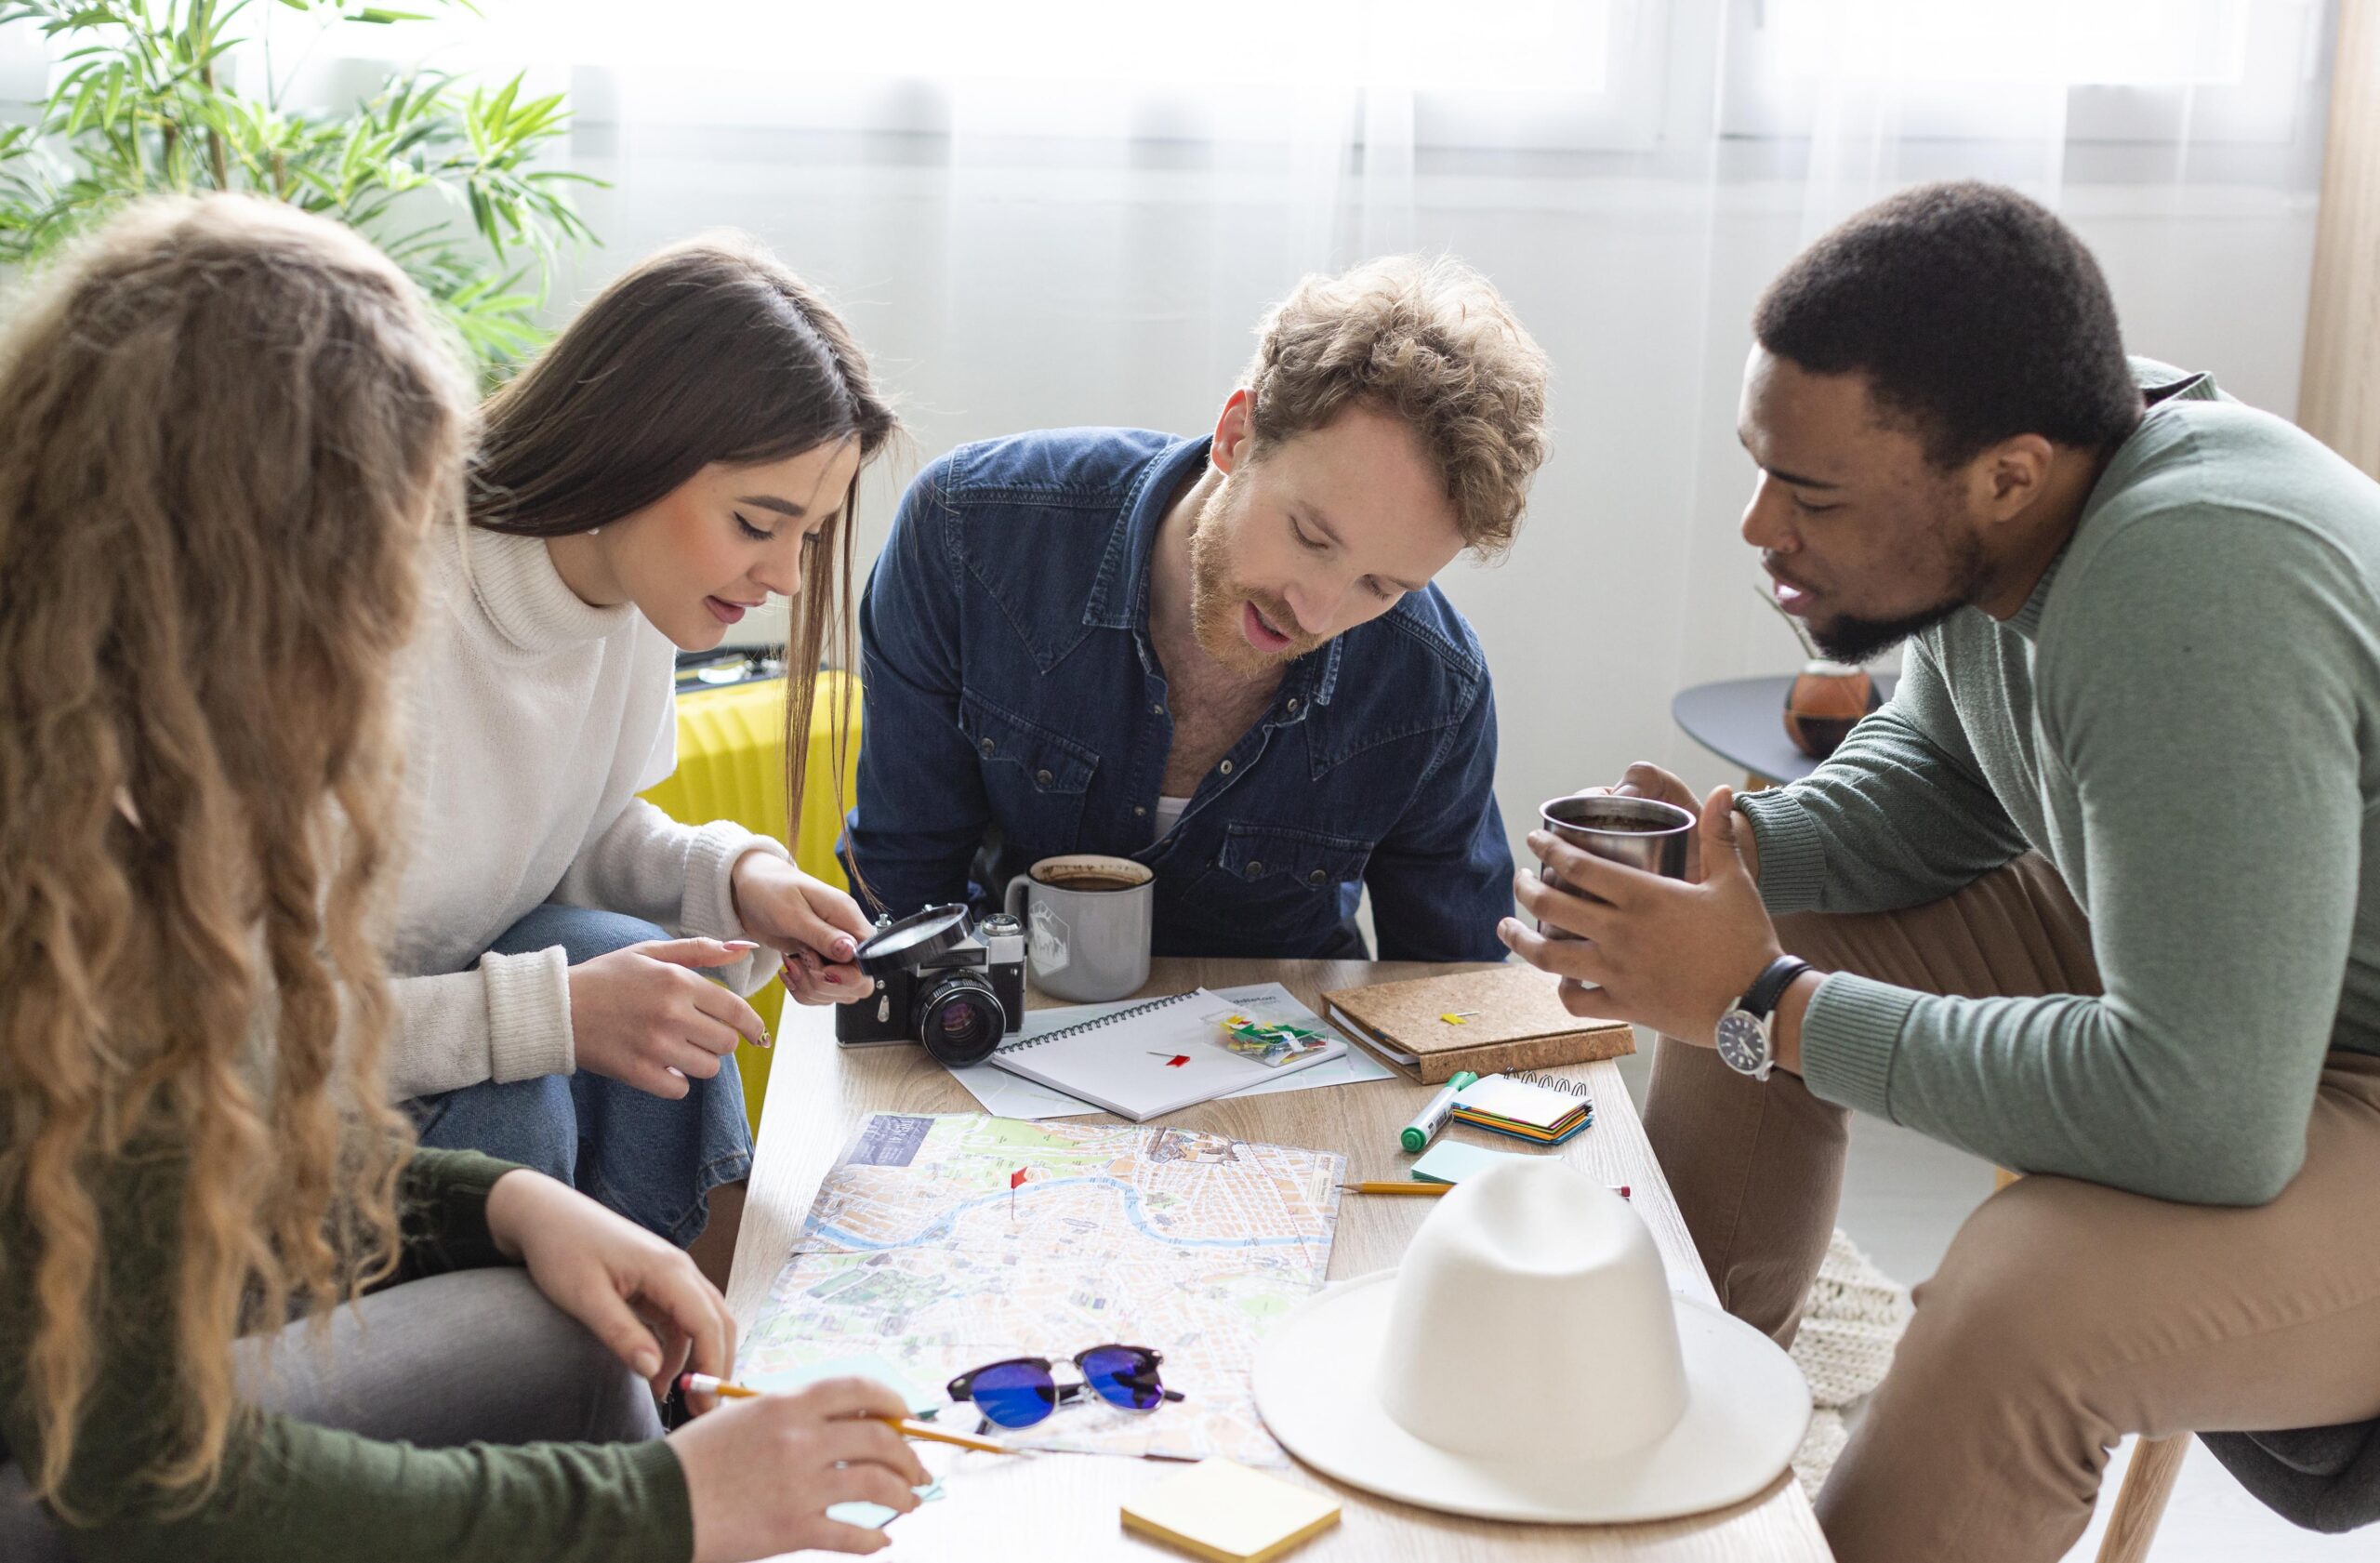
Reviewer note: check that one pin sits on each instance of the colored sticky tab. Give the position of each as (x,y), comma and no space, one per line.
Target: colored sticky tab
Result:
(1456,1019)
(1452,1160)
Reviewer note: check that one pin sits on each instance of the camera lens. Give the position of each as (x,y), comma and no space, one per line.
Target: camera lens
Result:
(960,1018)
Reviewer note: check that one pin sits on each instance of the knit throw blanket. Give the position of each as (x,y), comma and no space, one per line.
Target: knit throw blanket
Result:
(1853,1320)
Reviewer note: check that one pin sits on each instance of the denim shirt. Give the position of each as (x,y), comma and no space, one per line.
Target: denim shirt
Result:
(1014,705)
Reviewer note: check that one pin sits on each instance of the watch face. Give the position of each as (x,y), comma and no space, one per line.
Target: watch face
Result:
(1744,1042)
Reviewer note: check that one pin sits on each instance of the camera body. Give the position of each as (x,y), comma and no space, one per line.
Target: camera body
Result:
(955,986)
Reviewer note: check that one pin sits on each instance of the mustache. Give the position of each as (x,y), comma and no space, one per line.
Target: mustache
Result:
(1278,615)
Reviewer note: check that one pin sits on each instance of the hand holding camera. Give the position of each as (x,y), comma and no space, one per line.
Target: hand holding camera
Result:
(942,980)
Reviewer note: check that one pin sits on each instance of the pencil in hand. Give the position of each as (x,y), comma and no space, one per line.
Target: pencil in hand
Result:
(908,1427)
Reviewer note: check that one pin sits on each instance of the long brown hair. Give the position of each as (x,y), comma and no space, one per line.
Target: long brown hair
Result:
(225,428)
(709,352)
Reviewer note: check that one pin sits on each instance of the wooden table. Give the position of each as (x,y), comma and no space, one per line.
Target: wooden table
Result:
(1064,1507)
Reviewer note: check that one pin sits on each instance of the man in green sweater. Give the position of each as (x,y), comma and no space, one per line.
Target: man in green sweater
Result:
(2093,897)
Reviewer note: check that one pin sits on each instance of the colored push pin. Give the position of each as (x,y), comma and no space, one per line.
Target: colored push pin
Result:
(1462,1016)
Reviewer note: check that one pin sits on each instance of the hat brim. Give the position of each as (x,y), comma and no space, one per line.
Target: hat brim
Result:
(1747,1408)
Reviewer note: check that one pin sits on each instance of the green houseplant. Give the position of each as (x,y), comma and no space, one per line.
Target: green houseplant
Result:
(439,173)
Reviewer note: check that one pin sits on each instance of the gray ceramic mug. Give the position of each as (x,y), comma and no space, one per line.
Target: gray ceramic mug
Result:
(1641,832)
(1087,925)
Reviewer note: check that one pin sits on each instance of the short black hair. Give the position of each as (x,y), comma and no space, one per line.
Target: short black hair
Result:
(1973,313)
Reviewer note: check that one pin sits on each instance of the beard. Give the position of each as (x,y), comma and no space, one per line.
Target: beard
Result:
(1854,640)
(1216,597)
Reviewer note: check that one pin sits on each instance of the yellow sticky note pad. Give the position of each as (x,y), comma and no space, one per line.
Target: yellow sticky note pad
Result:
(1230,1514)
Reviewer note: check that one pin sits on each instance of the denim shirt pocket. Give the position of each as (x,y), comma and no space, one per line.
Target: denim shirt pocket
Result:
(1282,869)
(1034,779)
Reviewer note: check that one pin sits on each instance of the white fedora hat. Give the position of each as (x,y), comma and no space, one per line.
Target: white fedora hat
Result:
(1527,1361)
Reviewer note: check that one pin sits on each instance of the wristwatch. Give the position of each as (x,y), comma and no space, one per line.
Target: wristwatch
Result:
(1744,1042)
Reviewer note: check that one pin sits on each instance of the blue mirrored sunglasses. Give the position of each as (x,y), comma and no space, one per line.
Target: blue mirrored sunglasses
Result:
(1021,1390)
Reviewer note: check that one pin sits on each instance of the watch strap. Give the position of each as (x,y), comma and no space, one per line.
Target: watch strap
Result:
(1770,985)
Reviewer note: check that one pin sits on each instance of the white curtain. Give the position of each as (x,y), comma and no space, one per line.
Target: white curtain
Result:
(1069,212)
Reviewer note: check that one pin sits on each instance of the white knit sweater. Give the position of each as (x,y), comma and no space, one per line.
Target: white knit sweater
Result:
(533,721)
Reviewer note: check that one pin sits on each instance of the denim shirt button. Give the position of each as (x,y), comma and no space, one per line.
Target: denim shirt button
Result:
(1043,779)
(1316,877)
(1157,709)
(1226,767)
(1294,705)
(987,746)
(1254,870)
(1138,813)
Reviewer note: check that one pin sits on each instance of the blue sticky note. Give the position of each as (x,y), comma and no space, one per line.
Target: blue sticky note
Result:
(919,1399)
(872,1516)
(875,1516)
(1453,1160)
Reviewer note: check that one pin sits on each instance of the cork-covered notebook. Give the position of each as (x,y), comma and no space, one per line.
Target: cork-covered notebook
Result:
(1508,1017)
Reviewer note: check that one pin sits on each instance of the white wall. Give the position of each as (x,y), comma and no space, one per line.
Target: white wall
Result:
(1120,285)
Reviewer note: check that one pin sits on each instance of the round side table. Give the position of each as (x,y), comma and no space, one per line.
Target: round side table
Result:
(1742,720)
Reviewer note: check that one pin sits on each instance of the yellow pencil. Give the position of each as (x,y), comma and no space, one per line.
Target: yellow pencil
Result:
(1619,1188)
(907,1427)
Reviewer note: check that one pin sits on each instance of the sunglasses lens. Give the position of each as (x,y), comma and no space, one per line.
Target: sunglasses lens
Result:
(1123,1376)
(1015,1394)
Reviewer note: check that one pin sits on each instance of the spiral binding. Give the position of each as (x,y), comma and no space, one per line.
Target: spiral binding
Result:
(1551,1083)
(1134,1014)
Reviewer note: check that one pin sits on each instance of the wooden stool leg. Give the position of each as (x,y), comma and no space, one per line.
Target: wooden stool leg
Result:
(2148,1482)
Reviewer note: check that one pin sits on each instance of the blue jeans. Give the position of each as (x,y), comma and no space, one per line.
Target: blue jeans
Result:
(653,1160)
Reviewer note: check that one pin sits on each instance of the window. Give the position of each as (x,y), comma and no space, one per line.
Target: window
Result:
(1531,74)
(2106,70)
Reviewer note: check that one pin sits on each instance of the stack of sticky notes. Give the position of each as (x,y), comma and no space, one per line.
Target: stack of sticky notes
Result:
(1543,1109)
(1453,1160)
(1230,1514)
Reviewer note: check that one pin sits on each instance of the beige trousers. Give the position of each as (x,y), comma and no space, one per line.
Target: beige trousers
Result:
(2066,1314)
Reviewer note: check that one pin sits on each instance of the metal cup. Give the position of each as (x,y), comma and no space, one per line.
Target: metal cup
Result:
(1643,833)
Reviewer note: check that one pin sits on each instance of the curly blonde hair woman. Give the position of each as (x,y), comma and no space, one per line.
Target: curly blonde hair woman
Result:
(226,431)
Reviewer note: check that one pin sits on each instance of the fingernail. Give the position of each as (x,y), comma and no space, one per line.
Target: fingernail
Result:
(845,947)
(741,944)
(648,1363)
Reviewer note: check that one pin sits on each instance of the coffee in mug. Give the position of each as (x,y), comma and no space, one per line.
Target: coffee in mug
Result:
(1086,919)
(1084,881)
(1643,833)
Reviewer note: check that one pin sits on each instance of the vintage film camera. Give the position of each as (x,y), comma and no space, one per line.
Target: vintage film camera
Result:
(956,987)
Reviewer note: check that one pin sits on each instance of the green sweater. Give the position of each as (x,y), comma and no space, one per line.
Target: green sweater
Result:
(293,1490)
(2184,719)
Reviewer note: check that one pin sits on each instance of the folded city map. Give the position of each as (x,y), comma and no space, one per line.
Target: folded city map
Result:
(925,1254)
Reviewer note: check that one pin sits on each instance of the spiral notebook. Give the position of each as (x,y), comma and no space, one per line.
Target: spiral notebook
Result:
(1546,1108)
(1152,1058)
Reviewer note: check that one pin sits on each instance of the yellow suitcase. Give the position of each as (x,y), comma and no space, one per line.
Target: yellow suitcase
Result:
(730,766)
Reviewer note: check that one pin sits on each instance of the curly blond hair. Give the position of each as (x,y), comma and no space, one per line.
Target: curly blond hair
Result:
(1429,340)
(224,428)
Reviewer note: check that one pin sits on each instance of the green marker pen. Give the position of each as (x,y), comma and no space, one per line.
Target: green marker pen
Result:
(1416,1135)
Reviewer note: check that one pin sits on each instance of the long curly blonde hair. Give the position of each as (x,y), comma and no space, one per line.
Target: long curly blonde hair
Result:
(224,429)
